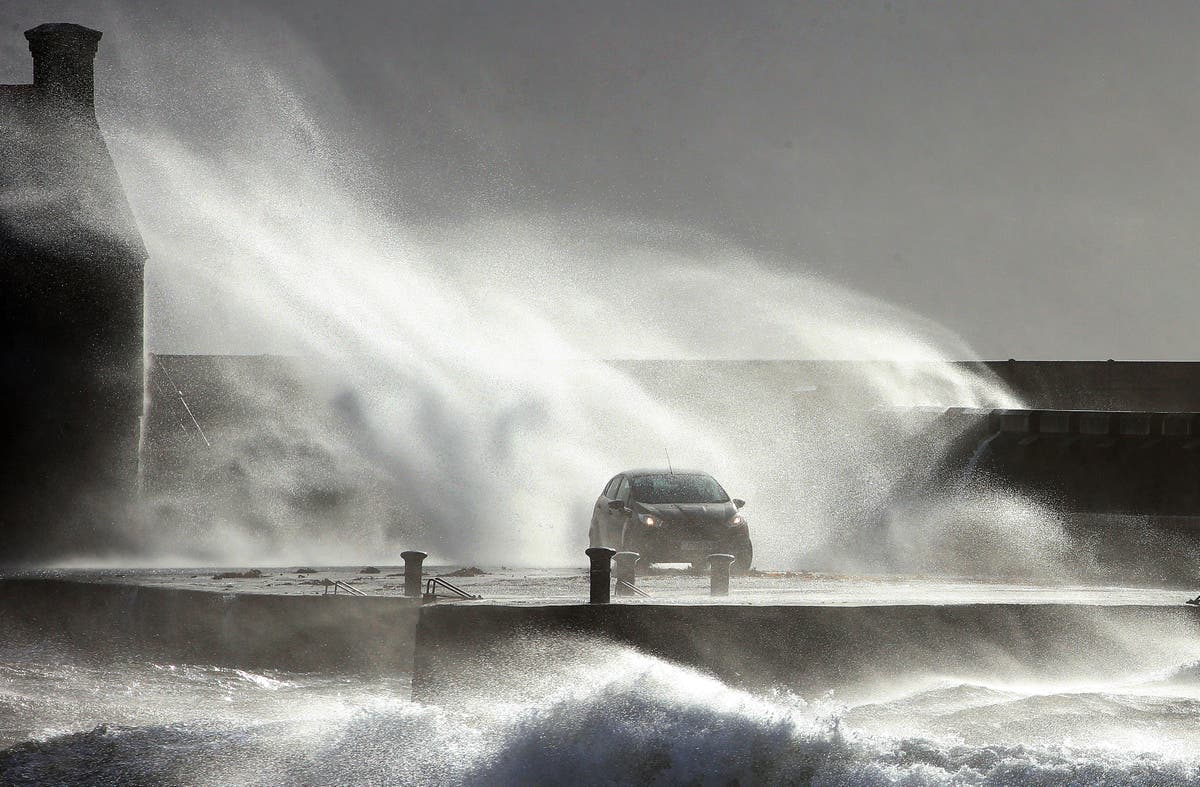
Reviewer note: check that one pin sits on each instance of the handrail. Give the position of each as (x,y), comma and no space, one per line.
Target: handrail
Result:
(336,584)
(433,583)
(630,586)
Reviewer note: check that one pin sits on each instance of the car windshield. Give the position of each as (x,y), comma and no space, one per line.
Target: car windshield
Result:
(678,489)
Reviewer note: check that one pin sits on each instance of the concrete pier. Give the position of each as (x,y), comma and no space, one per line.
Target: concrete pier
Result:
(809,635)
(808,649)
(251,631)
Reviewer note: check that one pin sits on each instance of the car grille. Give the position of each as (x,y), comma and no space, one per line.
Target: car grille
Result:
(696,528)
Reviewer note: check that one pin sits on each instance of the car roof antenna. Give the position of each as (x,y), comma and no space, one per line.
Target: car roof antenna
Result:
(670,469)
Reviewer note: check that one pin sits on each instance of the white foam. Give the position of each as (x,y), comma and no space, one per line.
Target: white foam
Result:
(620,719)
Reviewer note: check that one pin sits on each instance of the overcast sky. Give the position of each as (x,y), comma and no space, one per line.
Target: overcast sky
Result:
(1025,173)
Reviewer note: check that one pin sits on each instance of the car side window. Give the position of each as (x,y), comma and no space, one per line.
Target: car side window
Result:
(610,491)
(623,491)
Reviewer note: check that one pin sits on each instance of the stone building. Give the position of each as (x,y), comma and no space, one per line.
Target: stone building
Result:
(71,293)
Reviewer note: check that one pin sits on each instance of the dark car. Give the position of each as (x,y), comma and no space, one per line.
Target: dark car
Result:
(671,517)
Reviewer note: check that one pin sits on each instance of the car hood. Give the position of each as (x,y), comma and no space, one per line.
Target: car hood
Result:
(688,512)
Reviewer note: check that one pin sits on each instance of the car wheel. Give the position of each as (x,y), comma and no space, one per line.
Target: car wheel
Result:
(742,556)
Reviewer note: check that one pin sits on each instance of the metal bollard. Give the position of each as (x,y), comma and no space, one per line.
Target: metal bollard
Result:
(626,572)
(412,572)
(601,574)
(719,583)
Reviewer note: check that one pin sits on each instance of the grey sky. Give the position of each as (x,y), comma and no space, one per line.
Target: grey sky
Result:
(1025,173)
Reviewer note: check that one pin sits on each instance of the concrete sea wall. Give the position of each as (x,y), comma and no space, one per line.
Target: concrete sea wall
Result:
(497,651)
(809,649)
(301,633)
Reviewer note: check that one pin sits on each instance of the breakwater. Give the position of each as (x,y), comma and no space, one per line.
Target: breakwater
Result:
(244,630)
(496,650)
(808,649)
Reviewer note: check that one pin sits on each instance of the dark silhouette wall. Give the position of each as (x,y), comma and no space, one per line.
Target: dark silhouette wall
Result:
(1152,386)
(71,295)
(1087,461)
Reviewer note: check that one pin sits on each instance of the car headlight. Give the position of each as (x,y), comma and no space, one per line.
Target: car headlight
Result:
(650,521)
(737,520)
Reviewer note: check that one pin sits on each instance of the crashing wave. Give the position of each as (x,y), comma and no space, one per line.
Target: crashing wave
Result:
(644,721)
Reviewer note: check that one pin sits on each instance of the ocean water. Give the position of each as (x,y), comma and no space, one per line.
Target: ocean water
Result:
(624,718)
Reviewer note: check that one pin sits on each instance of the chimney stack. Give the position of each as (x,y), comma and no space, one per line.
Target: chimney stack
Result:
(63,56)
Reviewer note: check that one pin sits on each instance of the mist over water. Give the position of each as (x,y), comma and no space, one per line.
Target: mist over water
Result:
(468,361)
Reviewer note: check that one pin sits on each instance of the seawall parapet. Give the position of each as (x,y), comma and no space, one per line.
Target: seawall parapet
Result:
(466,650)
(486,650)
(254,631)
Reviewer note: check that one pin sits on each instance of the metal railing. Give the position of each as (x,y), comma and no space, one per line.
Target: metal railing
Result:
(433,583)
(338,584)
(632,588)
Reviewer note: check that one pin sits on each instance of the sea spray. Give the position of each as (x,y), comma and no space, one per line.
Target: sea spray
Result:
(466,358)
